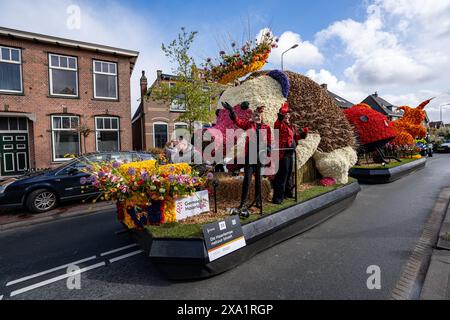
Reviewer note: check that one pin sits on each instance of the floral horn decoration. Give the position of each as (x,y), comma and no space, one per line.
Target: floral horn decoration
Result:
(423,104)
(250,58)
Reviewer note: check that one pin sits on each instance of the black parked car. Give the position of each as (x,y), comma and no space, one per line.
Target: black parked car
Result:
(443,147)
(44,190)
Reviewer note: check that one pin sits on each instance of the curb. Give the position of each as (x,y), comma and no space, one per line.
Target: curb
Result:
(55,217)
(414,272)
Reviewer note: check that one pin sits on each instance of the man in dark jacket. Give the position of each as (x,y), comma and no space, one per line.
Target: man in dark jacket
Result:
(255,129)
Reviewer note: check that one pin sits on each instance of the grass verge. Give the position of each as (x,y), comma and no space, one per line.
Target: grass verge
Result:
(180,230)
(387,166)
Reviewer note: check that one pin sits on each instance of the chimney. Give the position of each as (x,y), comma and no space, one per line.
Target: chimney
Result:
(158,75)
(143,84)
(324,86)
(375,94)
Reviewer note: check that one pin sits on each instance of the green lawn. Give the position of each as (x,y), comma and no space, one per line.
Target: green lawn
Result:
(178,230)
(387,166)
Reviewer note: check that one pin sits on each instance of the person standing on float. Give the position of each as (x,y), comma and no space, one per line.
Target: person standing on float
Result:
(288,137)
(255,127)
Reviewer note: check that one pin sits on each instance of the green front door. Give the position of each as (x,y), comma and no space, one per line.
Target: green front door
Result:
(14,149)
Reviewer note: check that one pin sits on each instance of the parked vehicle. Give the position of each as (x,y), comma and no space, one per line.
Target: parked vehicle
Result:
(443,147)
(45,190)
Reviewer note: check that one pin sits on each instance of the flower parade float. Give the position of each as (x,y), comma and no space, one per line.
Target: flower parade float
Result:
(147,193)
(376,136)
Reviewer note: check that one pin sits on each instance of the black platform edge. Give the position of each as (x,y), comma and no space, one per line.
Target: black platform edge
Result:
(376,176)
(187,259)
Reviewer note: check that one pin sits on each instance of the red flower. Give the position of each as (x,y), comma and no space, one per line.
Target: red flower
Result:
(305,130)
(140,182)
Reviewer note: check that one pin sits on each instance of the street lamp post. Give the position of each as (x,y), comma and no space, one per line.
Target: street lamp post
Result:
(440,109)
(293,47)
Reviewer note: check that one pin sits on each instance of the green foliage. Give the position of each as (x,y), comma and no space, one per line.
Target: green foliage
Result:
(387,165)
(189,91)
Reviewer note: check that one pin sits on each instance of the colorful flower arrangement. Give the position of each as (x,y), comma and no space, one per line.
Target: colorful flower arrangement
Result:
(238,63)
(145,191)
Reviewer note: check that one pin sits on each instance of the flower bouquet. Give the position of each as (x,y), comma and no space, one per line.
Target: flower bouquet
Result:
(239,63)
(145,191)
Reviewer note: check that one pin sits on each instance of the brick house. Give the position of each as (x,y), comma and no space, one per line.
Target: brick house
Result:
(51,88)
(155,122)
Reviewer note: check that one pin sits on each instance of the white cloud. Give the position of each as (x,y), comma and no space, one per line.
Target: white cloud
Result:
(112,24)
(400,49)
(305,55)
(339,87)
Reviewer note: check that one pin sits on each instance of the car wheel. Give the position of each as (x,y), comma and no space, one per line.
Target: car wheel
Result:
(41,200)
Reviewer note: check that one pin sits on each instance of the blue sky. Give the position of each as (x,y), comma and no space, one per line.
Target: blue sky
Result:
(396,47)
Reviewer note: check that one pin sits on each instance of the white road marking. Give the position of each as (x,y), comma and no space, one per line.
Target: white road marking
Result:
(49,271)
(117,250)
(125,256)
(61,277)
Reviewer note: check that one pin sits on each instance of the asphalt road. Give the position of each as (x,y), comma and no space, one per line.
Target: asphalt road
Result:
(328,262)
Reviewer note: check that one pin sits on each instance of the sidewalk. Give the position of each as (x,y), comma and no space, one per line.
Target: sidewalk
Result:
(11,220)
(437,280)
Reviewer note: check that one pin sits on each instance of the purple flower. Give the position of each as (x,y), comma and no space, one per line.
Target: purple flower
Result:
(116,164)
(194,180)
(171,178)
(131,171)
(172,168)
(101,174)
(210,176)
(144,175)
(83,180)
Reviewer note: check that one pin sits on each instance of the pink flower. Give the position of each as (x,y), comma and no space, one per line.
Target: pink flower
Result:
(327,182)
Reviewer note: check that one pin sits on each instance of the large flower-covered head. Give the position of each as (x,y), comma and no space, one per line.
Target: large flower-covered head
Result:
(268,89)
(372,128)
(262,89)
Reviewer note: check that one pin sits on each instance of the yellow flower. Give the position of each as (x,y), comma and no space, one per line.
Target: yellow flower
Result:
(170,213)
(147,165)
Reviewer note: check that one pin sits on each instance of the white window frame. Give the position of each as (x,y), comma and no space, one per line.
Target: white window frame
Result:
(94,73)
(61,129)
(115,130)
(13,62)
(50,67)
(154,131)
(175,128)
(173,105)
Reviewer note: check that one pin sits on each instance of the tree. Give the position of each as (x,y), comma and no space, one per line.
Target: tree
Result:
(84,130)
(190,91)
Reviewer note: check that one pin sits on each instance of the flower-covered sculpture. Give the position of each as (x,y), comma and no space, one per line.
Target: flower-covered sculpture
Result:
(410,126)
(372,128)
(331,135)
